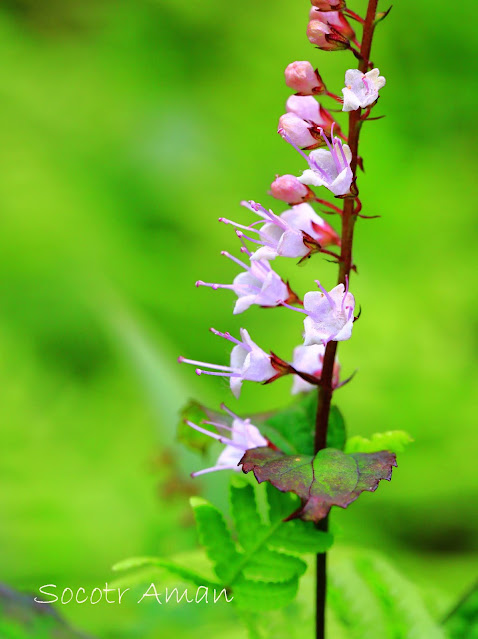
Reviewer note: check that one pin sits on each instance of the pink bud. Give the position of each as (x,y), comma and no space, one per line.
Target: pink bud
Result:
(334,19)
(328,5)
(288,189)
(298,131)
(301,77)
(325,37)
(307,108)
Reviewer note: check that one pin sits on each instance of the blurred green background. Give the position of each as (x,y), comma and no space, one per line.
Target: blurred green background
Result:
(126,129)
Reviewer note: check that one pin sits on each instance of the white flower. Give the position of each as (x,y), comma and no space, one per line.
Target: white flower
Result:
(310,359)
(258,284)
(330,315)
(330,168)
(284,234)
(361,89)
(248,362)
(243,437)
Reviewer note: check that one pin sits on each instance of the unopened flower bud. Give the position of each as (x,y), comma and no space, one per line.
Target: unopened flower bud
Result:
(298,131)
(301,77)
(328,5)
(336,21)
(325,37)
(287,188)
(307,108)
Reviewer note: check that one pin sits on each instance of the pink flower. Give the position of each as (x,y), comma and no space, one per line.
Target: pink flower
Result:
(298,130)
(327,168)
(309,359)
(330,315)
(295,233)
(288,189)
(258,284)
(361,89)
(238,438)
(325,36)
(307,108)
(248,362)
(301,77)
(334,19)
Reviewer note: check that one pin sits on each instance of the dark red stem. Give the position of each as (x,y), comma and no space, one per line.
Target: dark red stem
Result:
(325,389)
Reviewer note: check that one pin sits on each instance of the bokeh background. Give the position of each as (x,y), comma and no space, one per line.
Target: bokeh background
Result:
(126,129)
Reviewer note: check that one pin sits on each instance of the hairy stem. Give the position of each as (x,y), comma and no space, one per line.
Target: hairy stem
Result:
(348,222)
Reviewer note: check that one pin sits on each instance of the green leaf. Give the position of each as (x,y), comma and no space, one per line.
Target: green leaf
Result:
(394,441)
(216,538)
(247,521)
(371,599)
(272,566)
(262,595)
(299,537)
(336,434)
(331,478)
(260,562)
(296,424)
(175,569)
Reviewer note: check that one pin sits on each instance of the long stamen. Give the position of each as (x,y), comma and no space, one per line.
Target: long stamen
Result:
(200,371)
(229,411)
(266,213)
(227,336)
(237,261)
(341,147)
(244,248)
(241,234)
(284,135)
(218,367)
(200,429)
(218,425)
(212,470)
(239,226)
(214,286)
(292,308)
(331,147)
(329,299)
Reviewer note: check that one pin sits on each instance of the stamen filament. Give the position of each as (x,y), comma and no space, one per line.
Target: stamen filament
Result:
(183,360)
(329,299)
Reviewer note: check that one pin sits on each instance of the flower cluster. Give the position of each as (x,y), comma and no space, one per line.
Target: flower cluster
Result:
(297,232)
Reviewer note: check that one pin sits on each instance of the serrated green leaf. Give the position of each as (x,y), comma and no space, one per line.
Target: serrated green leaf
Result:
(247,522)
(299,537)
(336,433)
(172,567)
(261,595)
(394,441)
(214,535)
(271,566)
